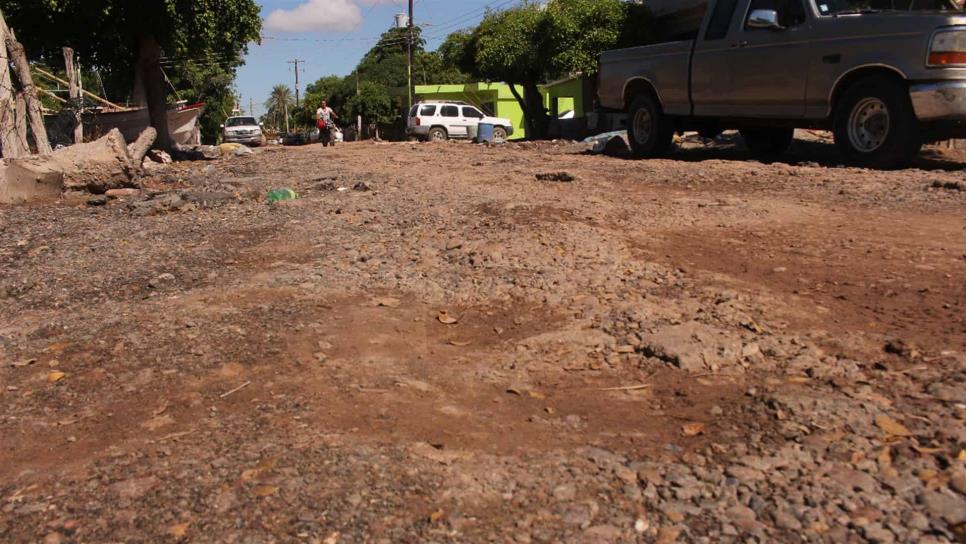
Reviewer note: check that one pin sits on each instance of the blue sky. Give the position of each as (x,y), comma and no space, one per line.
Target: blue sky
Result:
(331,36)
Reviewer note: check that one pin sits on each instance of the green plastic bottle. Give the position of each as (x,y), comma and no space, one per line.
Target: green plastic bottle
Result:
(280,195)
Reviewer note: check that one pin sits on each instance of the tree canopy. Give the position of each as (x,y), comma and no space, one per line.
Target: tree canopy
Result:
(534,43)
(200,44)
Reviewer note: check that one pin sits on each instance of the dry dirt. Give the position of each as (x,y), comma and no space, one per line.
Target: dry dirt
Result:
(431,345)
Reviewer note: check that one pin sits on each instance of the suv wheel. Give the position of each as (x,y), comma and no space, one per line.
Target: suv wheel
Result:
(876,125)
(648,129)
(438,134)
(499,134)
(768,143)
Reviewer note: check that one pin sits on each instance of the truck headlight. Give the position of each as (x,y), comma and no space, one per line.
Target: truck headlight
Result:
(948,48)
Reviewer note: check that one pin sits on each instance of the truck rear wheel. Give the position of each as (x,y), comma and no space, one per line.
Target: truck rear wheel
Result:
(649,131)
(876,125)
(768,143)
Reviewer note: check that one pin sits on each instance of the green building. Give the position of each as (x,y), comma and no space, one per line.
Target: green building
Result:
(573,94)
(493,98)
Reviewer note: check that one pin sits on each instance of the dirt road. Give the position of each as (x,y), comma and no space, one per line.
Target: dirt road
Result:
(431,345)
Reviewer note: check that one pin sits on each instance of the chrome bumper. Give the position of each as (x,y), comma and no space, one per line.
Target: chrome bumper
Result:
(941,101)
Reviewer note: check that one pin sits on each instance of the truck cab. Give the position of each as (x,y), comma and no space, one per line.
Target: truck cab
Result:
(884,79)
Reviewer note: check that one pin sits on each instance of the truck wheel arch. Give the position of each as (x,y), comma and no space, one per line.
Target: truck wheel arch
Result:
(637,86)
(858,73)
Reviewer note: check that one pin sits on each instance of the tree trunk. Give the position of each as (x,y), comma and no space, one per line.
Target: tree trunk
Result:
(10,143)
(22,68)
(538,112)
(534,116)
(150,63)
(76,99)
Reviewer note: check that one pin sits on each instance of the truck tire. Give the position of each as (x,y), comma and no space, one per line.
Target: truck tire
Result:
(768,143)
(438,134)
(499,134)
(649,131)
(876,125)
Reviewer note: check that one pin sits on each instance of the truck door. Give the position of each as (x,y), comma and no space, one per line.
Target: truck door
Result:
(770,65)
(711,75)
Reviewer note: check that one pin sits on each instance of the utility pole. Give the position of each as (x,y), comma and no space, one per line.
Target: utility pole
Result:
(411,29)
(358,117)
(296,62)
(251,106)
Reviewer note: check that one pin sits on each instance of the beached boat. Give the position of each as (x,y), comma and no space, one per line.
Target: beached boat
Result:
(182,124)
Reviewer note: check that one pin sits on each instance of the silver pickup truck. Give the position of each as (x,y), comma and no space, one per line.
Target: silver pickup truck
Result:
(885,80)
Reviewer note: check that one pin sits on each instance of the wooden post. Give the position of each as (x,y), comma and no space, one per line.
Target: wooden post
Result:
(76,98)
(12,146)
(21,119)
(22,69)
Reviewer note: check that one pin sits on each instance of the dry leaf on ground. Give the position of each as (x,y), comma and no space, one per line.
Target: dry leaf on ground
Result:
(693,429)
(891,427)
(447,319)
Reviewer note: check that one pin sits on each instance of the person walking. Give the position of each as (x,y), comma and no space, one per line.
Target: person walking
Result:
(325,121)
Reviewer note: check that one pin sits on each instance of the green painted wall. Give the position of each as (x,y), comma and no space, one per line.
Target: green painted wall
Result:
(497,99)
(488,96)
(568,94)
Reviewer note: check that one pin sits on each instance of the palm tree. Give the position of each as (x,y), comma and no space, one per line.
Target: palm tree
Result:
(278,103)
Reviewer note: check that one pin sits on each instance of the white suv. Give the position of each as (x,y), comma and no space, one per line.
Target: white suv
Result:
(441,120)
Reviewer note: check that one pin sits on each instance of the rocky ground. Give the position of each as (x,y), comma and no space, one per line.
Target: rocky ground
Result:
(455,343)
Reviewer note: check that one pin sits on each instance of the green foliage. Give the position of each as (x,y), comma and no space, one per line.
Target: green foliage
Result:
(203,41)
(579,30)
(373,103)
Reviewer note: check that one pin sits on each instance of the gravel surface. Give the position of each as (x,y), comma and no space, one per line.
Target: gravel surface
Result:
(459,343)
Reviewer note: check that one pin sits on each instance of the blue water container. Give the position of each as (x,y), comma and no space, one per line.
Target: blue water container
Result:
(485,133)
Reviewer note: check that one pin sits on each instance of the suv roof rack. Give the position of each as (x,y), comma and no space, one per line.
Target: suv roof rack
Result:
(457,102)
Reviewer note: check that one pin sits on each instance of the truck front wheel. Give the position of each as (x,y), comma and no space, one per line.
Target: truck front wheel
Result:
(768,143)
(649,131)
(875,124)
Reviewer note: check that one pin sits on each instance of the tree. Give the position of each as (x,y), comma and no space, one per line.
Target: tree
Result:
(129,41)
(511,46)
(532,43)
(278,105)
(372,103)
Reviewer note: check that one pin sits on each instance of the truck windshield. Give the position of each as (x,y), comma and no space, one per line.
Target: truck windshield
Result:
(842,7)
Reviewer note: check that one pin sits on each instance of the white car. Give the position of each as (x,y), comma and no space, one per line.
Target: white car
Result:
(441,120)
(243,130)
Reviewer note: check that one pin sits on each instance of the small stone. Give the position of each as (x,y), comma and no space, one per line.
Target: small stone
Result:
(54,538)
(957,481)
(641,525)
(162,280)
(947,506)
(744,474)
(716,411)
(878,534)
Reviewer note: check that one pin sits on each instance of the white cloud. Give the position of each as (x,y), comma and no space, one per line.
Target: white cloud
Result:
(316,15)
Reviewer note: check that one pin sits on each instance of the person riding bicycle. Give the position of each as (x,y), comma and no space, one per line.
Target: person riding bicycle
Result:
(325,121)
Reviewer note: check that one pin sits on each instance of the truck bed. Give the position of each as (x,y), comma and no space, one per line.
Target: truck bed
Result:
(665,66)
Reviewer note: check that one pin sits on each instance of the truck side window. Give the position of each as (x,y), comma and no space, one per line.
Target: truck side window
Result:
(720,22)
(790,12)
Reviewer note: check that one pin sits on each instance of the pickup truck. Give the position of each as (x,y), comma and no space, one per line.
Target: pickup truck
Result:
(885,81)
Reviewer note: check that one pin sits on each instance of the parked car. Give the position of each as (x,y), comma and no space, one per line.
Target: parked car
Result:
(441,120)
(883,80)
(243,130)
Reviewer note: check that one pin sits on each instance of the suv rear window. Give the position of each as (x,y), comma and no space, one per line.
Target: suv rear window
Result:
(427,111)
(412,112)
(451,111)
